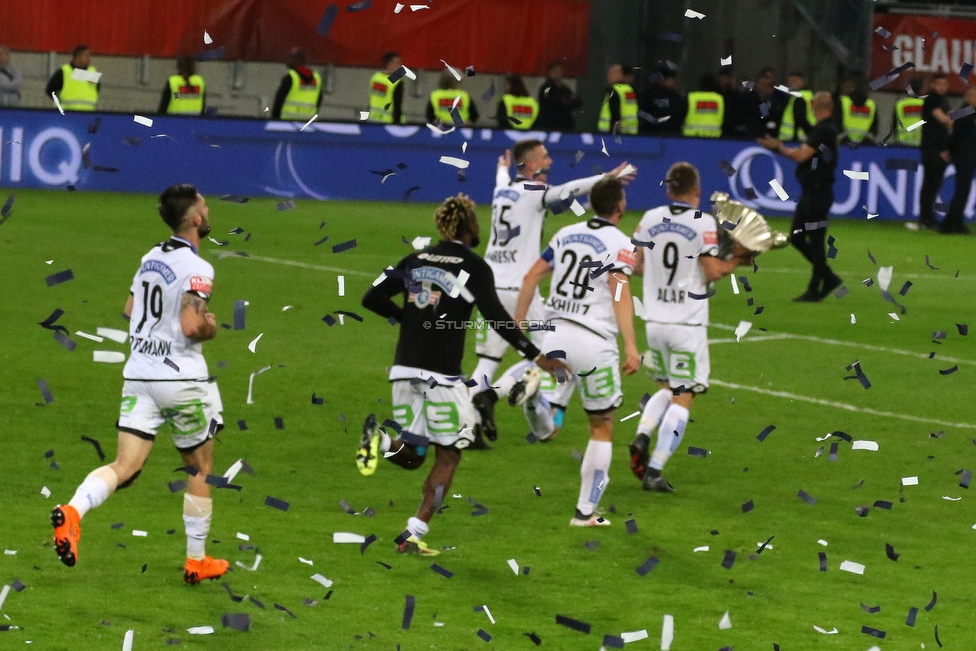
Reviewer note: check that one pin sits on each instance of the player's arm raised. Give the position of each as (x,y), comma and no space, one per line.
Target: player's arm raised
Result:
(716,268)
(623,310)
(196,320)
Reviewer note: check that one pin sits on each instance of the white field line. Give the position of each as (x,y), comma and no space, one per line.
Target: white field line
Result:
(840,405)
(732,340)
(838,342)
(949,275)
(222,255)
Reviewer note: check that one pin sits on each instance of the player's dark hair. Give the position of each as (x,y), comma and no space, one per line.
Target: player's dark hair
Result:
(517,86)
(606,195)
(523,148)
(451,214)
(79,50)
(174,203)
(682,179)
(389,56)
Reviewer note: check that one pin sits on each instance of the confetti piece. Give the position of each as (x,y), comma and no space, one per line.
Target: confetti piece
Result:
(98,446)
(729,559)
(890,552)
(359,6)
(851,566)
(45,391)
(778,189)
(703,548)
(127,639)
(949,371)
(909,481)
(408,612)
(139,533)
(253,345)
(146,122)
(310,121)
(237,621)
(625,418)
(824,631)
(667,632)
(882,32)
(275,503)
(865,445)
(67,342)
(931,605)
(58,104)
(344,246)
(212,55)
(200,630)
(94,338)
(742,329)
(235,198)
(108,356)
(867,630)
(697,452)
(46,492)
(856,176)
(206,38)
(870,609)
(691,13)
(575,624)
(748,506)
(340,537)
(961,112)
(328,17)
(60,277)
(484,635)
(324,582)
(456,162)
(823,561)
(726,622)
(861,377)
(766,432)
(7,207)
(915,125)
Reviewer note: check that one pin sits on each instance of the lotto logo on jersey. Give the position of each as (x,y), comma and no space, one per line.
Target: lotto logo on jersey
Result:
(626,257)
(201,285)
(710,237)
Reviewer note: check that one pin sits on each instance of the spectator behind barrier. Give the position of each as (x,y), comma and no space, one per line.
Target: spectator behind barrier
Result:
(663,107)
(75,94)
(442,99)
(763,106)
(556,102)
(618,112)
(858,119)
(516,109)
(731,93)
(10,80)
(184,92)
(706,110)
(798,116)
(908,111)
(386,98)
(300,92)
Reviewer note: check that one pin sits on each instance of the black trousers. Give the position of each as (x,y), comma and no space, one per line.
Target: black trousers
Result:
(809,233)
(933,169)
(964,179)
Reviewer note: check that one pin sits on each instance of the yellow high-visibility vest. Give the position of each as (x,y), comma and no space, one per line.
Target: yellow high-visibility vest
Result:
(186,97)
(628,110)
(857,120)
(77,95)
(302,100)
(442,101)
(909,111)
(381,97)
(706,111)
(787,127)
(523,109)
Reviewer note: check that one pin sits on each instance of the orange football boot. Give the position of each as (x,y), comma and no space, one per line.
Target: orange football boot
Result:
(209,568)
(67,532)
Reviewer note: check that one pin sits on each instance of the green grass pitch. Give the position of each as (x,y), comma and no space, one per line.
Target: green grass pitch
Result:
(791,375)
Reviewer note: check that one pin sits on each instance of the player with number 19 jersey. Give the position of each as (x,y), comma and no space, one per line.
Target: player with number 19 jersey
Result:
(674,282)
(165,273)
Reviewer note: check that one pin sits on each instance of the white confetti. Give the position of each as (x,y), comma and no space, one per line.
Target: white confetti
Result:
(398,8)
(419,7)
(253,568)
(342,285)
(778,189)
(603,147)
(464,147)
(856,176)
(909,481)
(364,115)
(822,542)
(894,316)
(243,536)
(825,631)
(515,566)
(629,416)
(634,636)
(630,169)
(851,566)
(459,163)
(419,243)
(638,308)
(824,438)
(121,336)
(914,125)
(79,74)
(340,537)
(577,208)
(457,75)
(206,38)
(951,499)
(233,470)
(10,552)
(310,121)
(88,336)
(250,384)
(884,277)
(127,640)
(667,633)
(57,103)
(286,308)
(200,630)
(325,583)
(742,329)
(735,284)
(691,13)
(144,121)
(764,544)
(410,74)
(46,492)
(703,548)
(306,561)
(108,356)
(726,61)
(3,594)
(726,622)
(139,533)
(49,262)
(382,276)
(853,319)
(873,215)
(253,345)
(488,612)
(865,445)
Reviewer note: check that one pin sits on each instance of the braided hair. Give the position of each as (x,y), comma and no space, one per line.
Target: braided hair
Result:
(451,214)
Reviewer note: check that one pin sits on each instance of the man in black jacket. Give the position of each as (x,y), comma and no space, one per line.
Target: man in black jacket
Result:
(962,153)
(935,142)
(557,101)
(441,285)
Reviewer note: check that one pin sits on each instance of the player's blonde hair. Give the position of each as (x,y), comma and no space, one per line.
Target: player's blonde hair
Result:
(682,179)
(451,214)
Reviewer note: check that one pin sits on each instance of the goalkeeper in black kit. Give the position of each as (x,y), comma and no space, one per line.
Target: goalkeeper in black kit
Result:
(440,286)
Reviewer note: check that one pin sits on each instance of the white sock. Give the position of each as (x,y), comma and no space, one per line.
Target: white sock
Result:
(98,485)
(512,375)
(417,527)
(595,475)
(197,514)
(538,413)
(483,373)
(654,412)
(669,435)
(384,441)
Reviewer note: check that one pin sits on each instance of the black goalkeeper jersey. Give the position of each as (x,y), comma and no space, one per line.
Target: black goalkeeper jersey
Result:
(440,287)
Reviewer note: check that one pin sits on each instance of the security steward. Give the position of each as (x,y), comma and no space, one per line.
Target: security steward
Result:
(619,104)
(516,109)
(300,92)
(385,96)
(442,100)
(75,94)
(184,92)
(706,110)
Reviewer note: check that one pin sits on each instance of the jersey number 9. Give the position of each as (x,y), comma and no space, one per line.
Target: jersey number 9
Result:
(670,259)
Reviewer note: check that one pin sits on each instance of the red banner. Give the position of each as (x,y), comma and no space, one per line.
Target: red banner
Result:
(933,44)
(499,36)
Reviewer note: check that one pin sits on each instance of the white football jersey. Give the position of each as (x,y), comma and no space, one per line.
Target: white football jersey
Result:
(674,282)
(574,294)
(165,274)
(518,210)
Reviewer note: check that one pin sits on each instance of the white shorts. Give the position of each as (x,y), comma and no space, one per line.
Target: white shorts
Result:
(190,410)
(679,355)
(443,415)
(587,353)
(488,343)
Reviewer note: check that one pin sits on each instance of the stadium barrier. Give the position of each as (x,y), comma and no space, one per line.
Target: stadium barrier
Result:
(43,149)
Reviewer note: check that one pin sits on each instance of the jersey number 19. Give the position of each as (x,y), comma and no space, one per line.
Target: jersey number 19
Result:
(152,304)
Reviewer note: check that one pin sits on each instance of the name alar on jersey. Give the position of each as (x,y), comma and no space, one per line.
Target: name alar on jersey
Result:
(669,295)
